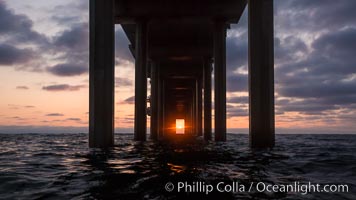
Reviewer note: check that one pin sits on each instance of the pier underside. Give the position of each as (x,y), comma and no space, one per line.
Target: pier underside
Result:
(178,46)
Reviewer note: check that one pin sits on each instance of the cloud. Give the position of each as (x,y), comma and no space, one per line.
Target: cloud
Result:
(237,82)
(18,118)
(122,52)
(323,79)
(20,45)
(288,49)
(71,12)
(334,53)
(16,107)
(314,15)
(315,62)
(55,115)
(236,51)
(22,87)
(11,55)
(122,82)
(18,28)
(68,69)
(63,87)
(75,38)
(314,57)
(71,48)
(130,100)
(65,20)
(309,89)
(73,119)
(304,106)
(238,100)
(237,111)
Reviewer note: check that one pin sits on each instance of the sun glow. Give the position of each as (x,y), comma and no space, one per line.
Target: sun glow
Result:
(180,126)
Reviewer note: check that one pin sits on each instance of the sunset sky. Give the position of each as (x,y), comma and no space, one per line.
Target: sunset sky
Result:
(44,68)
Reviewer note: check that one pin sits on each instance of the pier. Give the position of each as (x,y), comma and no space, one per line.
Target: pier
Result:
(179,45)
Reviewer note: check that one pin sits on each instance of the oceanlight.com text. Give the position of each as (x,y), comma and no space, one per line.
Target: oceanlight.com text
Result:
(237,187)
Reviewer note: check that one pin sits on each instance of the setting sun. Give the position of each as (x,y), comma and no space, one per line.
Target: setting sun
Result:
(180,126)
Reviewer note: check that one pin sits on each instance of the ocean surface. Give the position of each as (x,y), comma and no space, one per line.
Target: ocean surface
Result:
(61,166)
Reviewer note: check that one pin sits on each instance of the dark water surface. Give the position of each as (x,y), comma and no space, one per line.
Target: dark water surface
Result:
(61,166)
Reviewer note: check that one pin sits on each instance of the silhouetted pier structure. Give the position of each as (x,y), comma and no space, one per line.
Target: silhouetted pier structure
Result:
(179,44)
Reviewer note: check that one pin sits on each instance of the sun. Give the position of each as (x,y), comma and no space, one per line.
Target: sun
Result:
(180,126)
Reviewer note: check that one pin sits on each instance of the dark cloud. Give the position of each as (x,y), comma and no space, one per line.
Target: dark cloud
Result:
(122,51)
(71,9)
(68,69)
(82,5)
(74,38)
(20,44)
(10,55)
(315,57)
(324,77)
(72,45)
(63,87)
(16,107)
(22,87)
(122,82)
(55,115)
(130,100)
(316,14)
(289,48)
(305,106)
(343,41)
(334,53)
(65,20)
(18,118)
(124,120)
(310,89)
(238,100)
(73,119)
(317,105)
(18,28)
(237,82)
(236,52)
(237,111)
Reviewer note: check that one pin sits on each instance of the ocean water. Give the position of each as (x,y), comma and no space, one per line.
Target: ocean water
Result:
(61,166)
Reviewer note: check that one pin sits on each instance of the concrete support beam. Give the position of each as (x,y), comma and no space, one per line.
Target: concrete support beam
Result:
(220,80)
(200,108)
(101,74)
(163,107)
(160,103)
(261,73)
(141,81)
(207,99)
(154,102)
(195,107)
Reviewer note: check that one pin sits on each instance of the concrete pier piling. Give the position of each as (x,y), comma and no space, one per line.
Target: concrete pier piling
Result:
(101,74)
(261,73)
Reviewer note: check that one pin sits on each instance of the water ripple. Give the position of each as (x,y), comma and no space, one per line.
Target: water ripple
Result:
(45,166)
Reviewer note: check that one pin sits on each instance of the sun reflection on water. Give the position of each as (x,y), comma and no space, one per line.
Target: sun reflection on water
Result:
(176,168)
